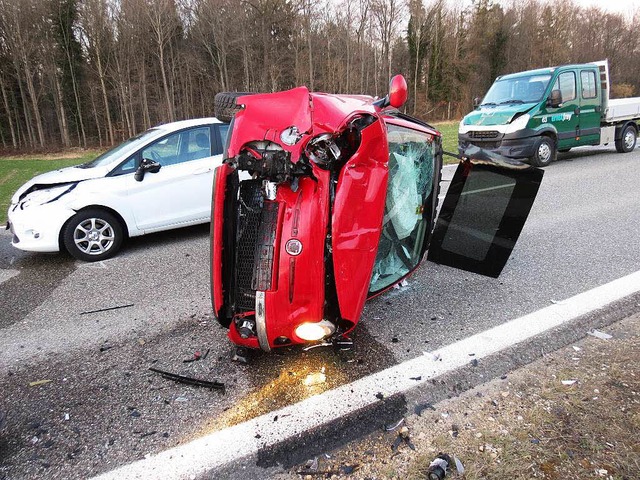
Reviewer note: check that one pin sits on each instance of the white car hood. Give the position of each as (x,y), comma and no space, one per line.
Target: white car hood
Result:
(64,175)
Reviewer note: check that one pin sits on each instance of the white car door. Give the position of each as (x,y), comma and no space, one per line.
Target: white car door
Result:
(180,193)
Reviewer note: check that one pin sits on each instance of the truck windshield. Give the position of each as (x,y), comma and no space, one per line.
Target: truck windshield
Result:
(529,89)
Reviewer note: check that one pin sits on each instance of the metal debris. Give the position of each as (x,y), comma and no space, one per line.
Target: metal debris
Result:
(196,382)
(107,309)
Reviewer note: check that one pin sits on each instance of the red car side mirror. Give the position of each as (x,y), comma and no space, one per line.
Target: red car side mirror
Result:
(397,91)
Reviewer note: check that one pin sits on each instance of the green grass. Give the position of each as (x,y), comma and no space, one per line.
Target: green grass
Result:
(14,171)
(449,131)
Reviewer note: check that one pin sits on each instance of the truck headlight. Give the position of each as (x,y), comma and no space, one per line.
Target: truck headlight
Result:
(462,128)
(518,124)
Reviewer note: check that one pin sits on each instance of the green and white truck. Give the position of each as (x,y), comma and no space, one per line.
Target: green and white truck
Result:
(533,115)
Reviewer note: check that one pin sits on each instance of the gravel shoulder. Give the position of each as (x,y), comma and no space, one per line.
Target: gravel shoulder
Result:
(572,414)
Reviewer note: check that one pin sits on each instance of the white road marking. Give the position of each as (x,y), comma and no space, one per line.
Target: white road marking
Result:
(220,448)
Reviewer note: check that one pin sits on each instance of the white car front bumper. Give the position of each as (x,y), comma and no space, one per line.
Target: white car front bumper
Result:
(37,227)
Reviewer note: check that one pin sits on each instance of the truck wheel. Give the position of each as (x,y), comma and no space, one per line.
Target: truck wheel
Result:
(545,152)
(627,141)
(224,105)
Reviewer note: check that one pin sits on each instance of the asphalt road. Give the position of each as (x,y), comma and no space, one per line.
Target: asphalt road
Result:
(103,407)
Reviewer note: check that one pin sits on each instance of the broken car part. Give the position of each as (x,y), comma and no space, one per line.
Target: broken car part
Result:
(196,382)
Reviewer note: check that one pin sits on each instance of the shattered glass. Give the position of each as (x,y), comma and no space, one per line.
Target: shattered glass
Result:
(411,169)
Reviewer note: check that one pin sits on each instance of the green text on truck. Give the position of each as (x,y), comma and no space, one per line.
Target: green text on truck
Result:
(533,115)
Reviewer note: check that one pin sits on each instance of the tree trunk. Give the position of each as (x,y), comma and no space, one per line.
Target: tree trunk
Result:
(7,108)
(34,103)
(105,97)
(61,113)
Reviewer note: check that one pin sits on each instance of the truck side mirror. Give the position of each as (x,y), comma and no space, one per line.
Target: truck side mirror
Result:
(555,99)
(476,102)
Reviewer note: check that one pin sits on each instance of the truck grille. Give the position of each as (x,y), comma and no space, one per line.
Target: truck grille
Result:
(482,135)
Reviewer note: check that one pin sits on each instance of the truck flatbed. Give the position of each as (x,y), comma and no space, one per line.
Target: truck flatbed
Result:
(620,109)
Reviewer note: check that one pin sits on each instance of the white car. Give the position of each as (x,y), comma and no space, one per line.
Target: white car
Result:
(158,180)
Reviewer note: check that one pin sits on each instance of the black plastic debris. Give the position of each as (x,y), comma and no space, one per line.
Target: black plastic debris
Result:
(106,309)
(403,437)
(196,382)
(474,362)
(392,426)
(421,407)
(106,346)
(438,468)
(379,396)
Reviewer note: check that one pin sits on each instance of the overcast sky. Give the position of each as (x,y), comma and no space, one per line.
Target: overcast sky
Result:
(618,6)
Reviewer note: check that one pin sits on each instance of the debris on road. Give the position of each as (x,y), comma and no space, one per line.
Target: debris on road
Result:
(392,426)
(403,437)
(438,468)
(106,309)
(37,383)
(197,355)
(421,407)
(599,334)
(106,346)
(316,378)
(434,356)
(196,382)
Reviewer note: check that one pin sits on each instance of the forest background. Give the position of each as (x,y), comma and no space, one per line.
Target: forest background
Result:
(95,72)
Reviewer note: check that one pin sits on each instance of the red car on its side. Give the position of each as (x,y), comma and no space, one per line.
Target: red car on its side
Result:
(323,201)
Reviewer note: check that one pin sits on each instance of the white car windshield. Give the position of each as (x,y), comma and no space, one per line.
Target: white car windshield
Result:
(528,89)
(120,151)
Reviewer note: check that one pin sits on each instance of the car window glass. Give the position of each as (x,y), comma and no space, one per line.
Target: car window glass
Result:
(180,147)
(566,83)
(127,167)
(224,131)
(588,80)
(411,169)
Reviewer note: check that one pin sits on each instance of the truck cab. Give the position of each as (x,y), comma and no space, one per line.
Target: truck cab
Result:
(535,114)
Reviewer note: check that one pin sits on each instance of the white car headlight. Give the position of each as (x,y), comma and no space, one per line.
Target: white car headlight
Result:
(518,124)
(46,195)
